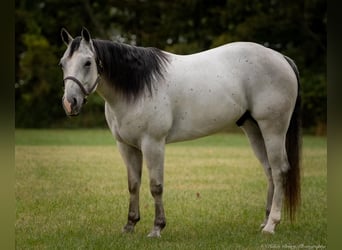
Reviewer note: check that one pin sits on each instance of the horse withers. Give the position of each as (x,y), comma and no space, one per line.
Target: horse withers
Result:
(153,97)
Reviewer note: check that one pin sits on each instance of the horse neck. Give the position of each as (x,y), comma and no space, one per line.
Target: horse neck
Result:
(119,106)
(108,93)
(131,70)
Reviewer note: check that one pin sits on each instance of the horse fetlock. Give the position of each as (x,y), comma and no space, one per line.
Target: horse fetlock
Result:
(267,213)
(132,220)
(269,227)
(262,225)
(133,217)
(160,222)
(275,218)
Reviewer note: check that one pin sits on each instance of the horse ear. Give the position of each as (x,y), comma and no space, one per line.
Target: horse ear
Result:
(66,37)
(85,35)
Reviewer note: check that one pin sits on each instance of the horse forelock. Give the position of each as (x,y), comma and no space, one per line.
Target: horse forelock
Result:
(75,44)
(131,70)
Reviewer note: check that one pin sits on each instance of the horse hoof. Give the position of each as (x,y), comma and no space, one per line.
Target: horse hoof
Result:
(265,231)
(154,234)
(128,229)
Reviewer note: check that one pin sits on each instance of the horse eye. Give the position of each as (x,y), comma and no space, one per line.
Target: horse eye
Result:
(87,64)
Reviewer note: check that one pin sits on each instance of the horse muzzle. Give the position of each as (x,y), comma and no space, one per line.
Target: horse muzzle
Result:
(73,105)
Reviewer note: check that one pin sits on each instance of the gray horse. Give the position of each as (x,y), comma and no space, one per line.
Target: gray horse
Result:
(153,97)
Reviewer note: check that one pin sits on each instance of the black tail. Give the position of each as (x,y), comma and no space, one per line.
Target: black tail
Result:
(293,148)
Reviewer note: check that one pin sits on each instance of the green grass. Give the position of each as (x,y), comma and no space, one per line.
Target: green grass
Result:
(71,193)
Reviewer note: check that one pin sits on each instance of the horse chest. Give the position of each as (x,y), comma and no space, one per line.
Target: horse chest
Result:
(136,123)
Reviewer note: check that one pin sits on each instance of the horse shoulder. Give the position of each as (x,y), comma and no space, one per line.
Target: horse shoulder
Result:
(150,116)
(112,122)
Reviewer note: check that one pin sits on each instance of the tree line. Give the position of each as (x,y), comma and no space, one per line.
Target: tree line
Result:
(294,28)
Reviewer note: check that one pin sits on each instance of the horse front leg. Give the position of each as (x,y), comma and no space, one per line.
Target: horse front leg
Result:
(133,160)
(153,151)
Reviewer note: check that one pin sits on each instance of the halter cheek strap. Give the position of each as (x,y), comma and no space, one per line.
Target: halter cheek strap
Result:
(85,92)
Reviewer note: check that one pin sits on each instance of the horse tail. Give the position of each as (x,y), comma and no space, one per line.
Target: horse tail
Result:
(293,149)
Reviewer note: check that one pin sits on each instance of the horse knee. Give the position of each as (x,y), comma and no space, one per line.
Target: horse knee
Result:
(156,188)
(133,187)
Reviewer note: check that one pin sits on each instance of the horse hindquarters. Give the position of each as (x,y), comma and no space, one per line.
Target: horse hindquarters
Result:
(274,131)
(282,143)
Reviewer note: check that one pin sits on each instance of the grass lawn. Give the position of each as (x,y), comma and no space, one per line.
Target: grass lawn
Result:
(71,193)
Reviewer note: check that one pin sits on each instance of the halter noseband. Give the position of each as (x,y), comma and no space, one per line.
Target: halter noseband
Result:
(85,92)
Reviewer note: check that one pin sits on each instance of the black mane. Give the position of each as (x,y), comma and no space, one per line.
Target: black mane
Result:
(130,69)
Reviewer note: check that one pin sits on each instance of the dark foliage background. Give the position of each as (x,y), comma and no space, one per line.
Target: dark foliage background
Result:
(295,28)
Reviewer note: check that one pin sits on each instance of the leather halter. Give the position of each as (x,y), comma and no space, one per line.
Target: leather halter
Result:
(78,82)
(99,67)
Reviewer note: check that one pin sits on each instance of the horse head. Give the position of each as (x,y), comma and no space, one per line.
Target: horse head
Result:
(80,71)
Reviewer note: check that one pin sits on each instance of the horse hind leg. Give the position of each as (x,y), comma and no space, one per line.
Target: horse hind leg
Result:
(274,134)
(252,130)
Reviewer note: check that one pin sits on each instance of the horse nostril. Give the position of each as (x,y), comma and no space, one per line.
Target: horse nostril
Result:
(74,101)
